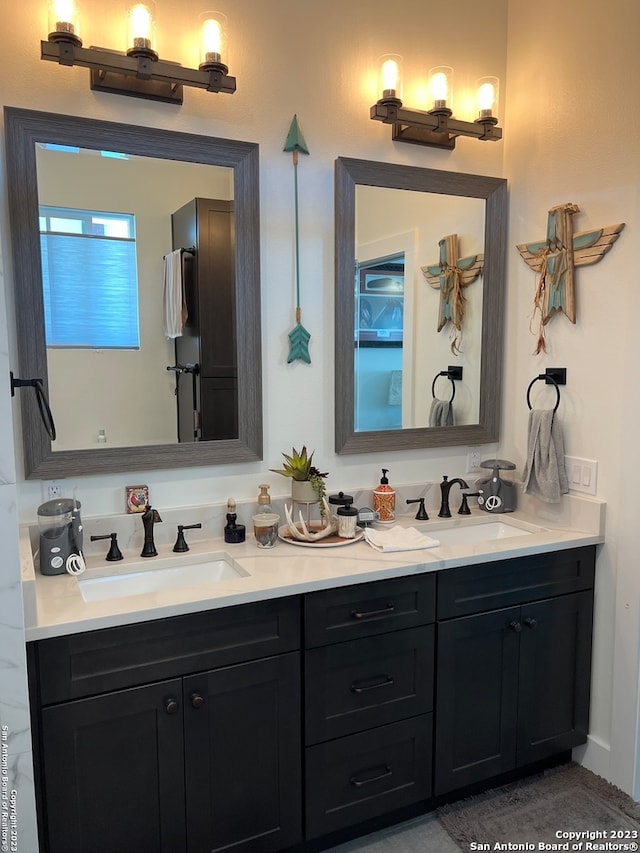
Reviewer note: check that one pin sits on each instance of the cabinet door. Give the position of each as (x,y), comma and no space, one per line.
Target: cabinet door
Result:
(555,669)
(113,772)
(476,698)
(242,754)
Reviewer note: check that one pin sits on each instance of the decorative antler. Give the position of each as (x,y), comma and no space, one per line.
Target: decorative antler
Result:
(303,534)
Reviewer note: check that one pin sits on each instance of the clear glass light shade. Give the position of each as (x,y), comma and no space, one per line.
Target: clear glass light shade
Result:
(441,88)
(487,97)
(390,76)
(63,17)
(141,26)
(213,39)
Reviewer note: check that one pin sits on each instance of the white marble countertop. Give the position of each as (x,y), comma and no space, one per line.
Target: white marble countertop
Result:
(54,605)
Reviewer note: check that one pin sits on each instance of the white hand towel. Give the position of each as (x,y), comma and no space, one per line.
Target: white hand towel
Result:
(544,474)
(175,307)
(399,539)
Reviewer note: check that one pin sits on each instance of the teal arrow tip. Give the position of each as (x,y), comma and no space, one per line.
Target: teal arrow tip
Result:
(299,344)
(295,139)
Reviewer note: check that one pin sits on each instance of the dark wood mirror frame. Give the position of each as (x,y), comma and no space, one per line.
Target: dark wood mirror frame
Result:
(25,128)
(348,174)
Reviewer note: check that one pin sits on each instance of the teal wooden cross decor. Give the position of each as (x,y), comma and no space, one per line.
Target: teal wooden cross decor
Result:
(451,274)
(298,336)
(555,260)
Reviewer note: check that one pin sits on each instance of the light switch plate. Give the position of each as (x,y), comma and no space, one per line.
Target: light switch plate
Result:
(582,474)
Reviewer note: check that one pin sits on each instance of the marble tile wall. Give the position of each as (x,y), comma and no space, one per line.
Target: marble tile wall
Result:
(17,801)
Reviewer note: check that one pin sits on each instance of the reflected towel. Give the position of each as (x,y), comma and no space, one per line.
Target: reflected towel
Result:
(441,413)
(544,473)
(395,388)
(175,306)
(399,539)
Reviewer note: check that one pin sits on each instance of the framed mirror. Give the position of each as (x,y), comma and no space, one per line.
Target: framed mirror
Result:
(53,163)
(391,222)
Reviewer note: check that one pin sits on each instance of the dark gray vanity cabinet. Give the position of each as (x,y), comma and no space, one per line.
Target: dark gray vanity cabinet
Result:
(173,735)
(257,728)
(512,681)
(369,656)
(208,398)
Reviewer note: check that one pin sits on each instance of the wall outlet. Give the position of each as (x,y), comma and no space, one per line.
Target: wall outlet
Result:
(582,474)
(52,489)
(474,458)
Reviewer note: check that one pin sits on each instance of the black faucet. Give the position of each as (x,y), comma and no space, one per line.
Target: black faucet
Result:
(149,517)
(445,488)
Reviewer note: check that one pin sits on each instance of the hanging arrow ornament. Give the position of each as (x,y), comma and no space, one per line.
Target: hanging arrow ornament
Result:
(298,336)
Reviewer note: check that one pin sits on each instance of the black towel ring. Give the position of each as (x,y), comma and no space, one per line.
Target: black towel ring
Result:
(549,380)
(435,379)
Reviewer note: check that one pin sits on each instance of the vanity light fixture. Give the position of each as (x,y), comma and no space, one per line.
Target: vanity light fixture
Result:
(139,72)
(435,126)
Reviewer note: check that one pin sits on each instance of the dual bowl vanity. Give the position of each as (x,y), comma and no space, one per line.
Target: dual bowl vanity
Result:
(262,700)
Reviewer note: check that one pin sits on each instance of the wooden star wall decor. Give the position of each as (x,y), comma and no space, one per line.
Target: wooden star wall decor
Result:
(555,260)
(451,274)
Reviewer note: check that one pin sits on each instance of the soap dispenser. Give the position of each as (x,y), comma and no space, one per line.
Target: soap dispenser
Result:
(384,499)
(264,499)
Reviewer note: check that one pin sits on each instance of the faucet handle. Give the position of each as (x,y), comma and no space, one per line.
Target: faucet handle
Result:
(464,506)
(181,544)
(421,515)
(114,552)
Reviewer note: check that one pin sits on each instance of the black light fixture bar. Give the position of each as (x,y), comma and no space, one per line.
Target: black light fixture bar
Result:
(141,77)
(435,128)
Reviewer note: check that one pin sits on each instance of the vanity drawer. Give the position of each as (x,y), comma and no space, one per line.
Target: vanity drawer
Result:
(355,778)
(100,661)
(347,613)
(369,682)
(489,586)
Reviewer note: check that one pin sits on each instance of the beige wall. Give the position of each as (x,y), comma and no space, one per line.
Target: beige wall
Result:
(318,62)
(571,135)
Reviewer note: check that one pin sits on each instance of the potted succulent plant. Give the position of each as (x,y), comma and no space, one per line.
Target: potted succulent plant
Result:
(307,482)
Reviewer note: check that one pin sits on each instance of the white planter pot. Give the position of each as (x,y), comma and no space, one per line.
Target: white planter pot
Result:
(302,491)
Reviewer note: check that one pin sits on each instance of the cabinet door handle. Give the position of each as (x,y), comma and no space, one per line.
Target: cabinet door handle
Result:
(171,705)
(515,626)
(197,701)
(382,774)
(369,614)
(530,622)
(385,681)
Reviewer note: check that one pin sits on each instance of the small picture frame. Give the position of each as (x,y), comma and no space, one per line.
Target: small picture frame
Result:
(137,498)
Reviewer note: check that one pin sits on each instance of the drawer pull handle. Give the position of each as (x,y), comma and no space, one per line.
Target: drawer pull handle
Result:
(530,622)
(385,681)
(171,705)
(197,701)
(515,626)
(358,783)
(370,614)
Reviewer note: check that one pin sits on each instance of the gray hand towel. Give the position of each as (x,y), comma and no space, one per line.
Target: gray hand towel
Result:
(441,413)
(544,473)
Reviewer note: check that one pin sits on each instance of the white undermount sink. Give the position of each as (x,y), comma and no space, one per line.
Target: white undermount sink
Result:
(201,573)
(472,534)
